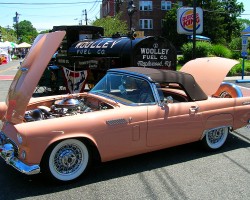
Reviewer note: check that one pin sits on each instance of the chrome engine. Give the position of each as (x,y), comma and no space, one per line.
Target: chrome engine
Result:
(62,108)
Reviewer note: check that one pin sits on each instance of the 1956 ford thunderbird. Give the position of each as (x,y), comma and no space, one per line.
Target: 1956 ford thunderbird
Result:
(130,111)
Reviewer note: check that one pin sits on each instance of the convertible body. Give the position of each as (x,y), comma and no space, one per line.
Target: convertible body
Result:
(130,111)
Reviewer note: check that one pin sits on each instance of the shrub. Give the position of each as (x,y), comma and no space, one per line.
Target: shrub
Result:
(203,49)
(236,54)
(221,51)
(235,44)
(237,69)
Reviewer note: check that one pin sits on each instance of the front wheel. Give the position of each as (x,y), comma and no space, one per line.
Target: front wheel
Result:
(67,160)
(215,138)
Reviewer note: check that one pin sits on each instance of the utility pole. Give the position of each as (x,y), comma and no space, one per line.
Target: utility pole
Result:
(16,19)
(86,18)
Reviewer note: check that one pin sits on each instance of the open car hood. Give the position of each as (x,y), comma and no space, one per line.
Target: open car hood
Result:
(209,72)
(29,74)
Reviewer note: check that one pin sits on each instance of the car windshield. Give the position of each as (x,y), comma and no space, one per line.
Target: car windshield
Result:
(125,89)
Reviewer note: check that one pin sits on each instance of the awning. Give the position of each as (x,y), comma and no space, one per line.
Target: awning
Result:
(200,37)
(23,45)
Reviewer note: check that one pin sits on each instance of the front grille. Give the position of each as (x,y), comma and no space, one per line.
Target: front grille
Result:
(5,140)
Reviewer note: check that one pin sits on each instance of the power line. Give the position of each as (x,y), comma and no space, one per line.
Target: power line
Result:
(94,6)
(61,3)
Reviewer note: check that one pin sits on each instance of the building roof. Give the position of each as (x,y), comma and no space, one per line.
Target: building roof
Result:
(246,30)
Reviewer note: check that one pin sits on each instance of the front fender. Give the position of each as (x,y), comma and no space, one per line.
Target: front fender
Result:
(39,146)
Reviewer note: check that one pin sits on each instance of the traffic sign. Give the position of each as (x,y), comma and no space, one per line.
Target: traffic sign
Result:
(244,40)
(244,54)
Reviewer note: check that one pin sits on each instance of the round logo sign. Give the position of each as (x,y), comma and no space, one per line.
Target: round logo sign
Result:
(186,20)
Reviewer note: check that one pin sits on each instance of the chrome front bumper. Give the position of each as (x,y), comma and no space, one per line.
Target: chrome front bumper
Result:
(7,153)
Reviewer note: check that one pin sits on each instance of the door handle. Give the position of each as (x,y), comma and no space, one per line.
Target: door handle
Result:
(193,109)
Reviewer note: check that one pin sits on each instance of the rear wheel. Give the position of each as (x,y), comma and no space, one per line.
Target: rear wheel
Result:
(67,160)
(215,138)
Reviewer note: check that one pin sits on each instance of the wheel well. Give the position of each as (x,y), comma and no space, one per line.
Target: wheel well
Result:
(228,90)
(93,148)
(90,145)
(210,129)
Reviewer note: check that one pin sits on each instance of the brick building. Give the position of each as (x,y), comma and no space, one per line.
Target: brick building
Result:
(147,19)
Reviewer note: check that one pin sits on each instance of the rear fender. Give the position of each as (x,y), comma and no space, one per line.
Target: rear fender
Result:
(224,119)
(228,90)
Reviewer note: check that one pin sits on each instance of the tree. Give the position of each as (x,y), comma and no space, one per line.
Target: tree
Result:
(26,31)
(170,28)
(45,31)
(233,26)
(244,23)
(8,34)
(213,21)
(220,21)
(112,25)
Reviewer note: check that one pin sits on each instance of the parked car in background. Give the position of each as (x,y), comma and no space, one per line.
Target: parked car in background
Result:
(129,111)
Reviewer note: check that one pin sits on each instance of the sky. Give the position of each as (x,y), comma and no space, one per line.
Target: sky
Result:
(246,13)
(44,14)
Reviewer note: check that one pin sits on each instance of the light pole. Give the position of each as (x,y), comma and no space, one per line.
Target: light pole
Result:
(131,10)
(194,29)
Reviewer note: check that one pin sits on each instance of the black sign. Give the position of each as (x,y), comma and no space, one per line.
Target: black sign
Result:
(153,52)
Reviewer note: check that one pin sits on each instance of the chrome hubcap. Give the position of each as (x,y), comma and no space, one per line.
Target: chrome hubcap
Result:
(215,136)
(68,159)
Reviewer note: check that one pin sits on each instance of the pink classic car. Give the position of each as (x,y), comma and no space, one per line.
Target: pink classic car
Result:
(130,111)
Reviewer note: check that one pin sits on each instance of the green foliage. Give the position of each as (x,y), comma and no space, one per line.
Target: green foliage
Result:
(221,51)
(237,69)
(8,34)
(203,49)
(235,44)
(235,47)
(220,21)
(26,31)
(45,31)
(112,25)
(244,23)
(169,29)
(236,54)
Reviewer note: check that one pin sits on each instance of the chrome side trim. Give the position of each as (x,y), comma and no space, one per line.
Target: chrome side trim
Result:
(116,121)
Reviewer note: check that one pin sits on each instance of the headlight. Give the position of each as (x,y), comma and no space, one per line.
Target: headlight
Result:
(19,138)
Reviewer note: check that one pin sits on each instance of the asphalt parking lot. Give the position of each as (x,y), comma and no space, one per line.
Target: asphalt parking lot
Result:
(184,172)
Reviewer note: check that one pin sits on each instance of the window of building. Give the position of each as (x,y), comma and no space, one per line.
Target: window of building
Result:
(166,5)
(146,5)
(146,24)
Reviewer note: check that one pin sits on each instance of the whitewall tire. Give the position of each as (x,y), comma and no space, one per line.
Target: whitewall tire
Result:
(215,138)
(67,160)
